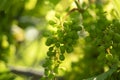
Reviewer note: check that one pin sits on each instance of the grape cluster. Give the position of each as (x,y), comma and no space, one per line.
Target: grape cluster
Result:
(59,43)
(104,38)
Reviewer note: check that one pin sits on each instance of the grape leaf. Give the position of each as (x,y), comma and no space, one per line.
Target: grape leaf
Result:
(104,75)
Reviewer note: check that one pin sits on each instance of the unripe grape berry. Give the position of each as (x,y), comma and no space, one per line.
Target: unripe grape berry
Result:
(49,53)
(69,35)
(69,41)
(62,49)
(60,33)
(56,69)
(5,44)
(75,35)
(62,57)
(49,42)
(50,48)
(54,39)
(76,28)
(57,44)
(69,49)
(109,57)
(47,72)
(51,76)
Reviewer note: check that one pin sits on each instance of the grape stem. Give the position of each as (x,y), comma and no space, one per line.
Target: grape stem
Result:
(79,9)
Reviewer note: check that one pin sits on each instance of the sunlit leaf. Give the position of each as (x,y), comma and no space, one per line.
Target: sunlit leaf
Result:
(116,4)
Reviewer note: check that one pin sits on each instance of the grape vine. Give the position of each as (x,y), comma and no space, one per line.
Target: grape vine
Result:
(62,41)
(102,43)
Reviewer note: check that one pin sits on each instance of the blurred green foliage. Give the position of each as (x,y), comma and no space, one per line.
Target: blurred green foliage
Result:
(25,24)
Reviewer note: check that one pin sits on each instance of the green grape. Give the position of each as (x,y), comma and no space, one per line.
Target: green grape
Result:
(65,39)
(60,33)
(74,41)
(50,48)
(54,39)
(69,41)
(5,44)
(62,49)
(109,57)
(61,40)
(72,34)
(51,76)
(49,53)
(75,35)
(56,69)
(47,72)
(49,42)
(46,33)
(57,44)
(62,57)
(69,35)
(50,63)
(69,49)
(76,27)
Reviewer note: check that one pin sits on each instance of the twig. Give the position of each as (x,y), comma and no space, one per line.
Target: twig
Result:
(26,71)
